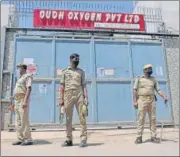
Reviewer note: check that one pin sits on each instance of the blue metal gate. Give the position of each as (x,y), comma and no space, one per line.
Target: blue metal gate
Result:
(114,101)
(143,53)
(110,68)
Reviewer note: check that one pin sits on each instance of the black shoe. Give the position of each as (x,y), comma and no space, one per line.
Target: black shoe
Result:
(17,143)
(155,140)
(83,144)
(138,140)
(67,144)
(27,143)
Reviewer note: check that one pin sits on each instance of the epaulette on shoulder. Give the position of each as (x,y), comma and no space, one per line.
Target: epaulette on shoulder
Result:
(138,76)
(153,78)
(64,69)
(29,75)
(80,69)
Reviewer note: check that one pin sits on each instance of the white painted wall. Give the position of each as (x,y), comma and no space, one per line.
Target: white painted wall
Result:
(6,11)
(169,12)
(4,14)
(148,3)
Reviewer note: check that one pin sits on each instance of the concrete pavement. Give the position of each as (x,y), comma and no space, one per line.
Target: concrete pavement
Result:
(104,142)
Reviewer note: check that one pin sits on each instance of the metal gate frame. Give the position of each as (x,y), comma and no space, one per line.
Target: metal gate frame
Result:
(90,35)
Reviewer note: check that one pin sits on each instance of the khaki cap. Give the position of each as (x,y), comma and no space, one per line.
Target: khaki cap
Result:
(147,66)
(22,65)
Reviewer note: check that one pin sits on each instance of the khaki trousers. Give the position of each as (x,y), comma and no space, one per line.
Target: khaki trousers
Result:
(22,121)
(71,98)
(146,106)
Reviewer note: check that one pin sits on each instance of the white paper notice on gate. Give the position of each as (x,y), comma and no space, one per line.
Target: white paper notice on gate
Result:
(58,72)
(42,88)
(100,72)
(159,71)
(109,72)
(28,61)
(32,69)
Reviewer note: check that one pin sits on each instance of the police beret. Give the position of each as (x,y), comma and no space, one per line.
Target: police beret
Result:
(147,66)
(22,65)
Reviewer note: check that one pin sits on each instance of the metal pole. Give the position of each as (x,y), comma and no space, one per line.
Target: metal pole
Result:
(94,31)
(3,29)
(162,124)
(0,72)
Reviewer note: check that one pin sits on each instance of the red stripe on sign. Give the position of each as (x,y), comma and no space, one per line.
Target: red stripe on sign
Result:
(87,20)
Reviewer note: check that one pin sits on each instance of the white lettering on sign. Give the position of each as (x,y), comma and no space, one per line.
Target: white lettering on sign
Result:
(42,14)
(116,25)
(54,14)
(107,17)
(119,17)
(81,15)
(70,15)
(89,16)
(76,15)
(48,14)
(61,15)
(98,17)
(113,17)
(136,19)
(126,18)
(93,15)
(131,19)
(87,19)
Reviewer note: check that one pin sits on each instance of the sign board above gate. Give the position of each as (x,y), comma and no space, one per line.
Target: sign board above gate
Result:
(87,20)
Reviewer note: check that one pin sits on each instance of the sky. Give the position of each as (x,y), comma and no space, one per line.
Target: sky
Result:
(26,20)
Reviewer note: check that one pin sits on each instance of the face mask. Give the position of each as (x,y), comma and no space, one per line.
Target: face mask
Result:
(76,63)
(149,72)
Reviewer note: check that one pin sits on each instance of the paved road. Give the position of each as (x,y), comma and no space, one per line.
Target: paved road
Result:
(106,144)
(94,149)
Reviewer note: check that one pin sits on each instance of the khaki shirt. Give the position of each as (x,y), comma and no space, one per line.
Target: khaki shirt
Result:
(73,79)
(23,83)
(146,86)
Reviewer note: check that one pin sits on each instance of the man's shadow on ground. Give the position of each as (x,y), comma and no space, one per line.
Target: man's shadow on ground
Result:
(45,142)
(90,144)
(163,140)
(42,142)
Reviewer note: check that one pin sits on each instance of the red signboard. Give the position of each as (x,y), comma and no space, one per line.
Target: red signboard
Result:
(87,20)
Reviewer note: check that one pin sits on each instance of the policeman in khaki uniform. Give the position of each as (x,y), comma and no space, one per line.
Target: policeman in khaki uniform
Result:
(73,92)
(144,100)
(21,96)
